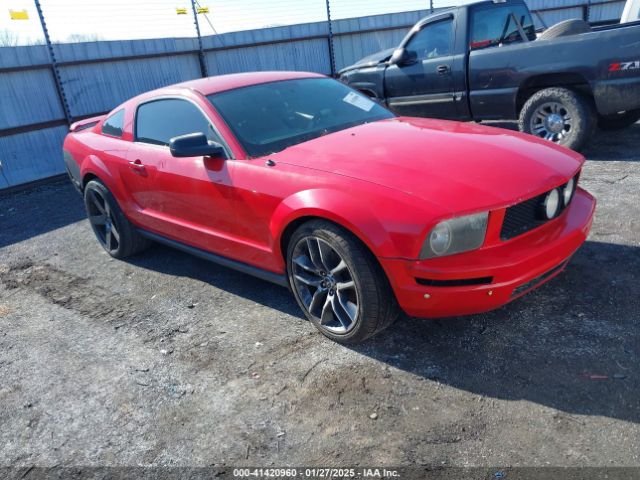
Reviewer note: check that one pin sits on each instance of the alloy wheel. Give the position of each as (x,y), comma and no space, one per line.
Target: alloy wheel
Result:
(551,121)
(325,285)
(102,220)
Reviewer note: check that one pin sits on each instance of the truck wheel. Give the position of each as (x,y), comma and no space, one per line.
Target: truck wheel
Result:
(338,283)
(559,115)
(565,28)
(618,121)
(112,229)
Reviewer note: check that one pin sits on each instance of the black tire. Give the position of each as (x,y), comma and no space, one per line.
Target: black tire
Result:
(565,28)
(376,306)
(576,111)
(618,121)
(114,232)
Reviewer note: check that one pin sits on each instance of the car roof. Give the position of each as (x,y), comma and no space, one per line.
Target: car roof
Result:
(220,83)
(211,85)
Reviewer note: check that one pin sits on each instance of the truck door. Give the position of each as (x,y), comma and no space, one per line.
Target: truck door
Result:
(423,85)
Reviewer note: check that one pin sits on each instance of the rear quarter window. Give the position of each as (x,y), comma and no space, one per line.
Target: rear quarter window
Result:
(113,125)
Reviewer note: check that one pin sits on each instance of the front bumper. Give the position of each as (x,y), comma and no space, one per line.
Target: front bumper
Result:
(509,269)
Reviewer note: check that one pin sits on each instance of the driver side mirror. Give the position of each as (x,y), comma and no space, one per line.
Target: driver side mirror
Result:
(402,56)
(195,145)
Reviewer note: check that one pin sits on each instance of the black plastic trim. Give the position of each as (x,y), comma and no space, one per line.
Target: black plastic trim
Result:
(73,170)
(272,277)
(533,283)
(460,282)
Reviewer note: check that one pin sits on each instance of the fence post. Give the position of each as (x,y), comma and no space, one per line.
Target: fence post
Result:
(54,66)
(587,11)
(203,64)
(332,57)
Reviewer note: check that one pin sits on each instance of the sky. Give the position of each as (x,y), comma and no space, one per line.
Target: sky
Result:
(75,20)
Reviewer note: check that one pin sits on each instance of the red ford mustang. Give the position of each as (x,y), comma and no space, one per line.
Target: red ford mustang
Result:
(297,179)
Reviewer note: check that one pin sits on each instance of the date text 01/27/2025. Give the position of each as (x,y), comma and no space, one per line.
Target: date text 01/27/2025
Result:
(315,472)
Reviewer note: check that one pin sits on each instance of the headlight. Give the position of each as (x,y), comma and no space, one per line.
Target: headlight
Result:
(456,235)
(568,191)
(551,204)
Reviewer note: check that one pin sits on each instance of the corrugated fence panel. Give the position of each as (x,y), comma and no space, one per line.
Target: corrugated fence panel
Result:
(23,56)
(545,4)
(606,12)
(309,55)
(20,105)
(554,16)
(351,48)
(31,156)
(274,34)
(388,20)
(100,87)
(75,52)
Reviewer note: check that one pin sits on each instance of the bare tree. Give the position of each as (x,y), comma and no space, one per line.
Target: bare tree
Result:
(8,38)
(83,37)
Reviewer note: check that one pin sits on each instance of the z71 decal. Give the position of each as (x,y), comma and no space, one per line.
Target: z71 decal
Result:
(623,66)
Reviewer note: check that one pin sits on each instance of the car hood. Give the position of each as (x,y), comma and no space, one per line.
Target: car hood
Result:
(461,167)
(370,60)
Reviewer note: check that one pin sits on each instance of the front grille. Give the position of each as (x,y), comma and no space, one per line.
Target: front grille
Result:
(522,217)
(538,280)
(527,215)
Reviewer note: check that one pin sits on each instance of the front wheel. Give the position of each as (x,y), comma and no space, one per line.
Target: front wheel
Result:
(618,121)
(338,283)
(559,115)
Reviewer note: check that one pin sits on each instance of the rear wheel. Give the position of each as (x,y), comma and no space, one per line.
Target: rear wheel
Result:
(338,283)
(559,115)
(618,121)
(112,229)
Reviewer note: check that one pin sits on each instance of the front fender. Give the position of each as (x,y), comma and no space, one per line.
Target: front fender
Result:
(339,207)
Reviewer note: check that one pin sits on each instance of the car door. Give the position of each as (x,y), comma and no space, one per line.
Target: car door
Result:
(186,199)
(423,86)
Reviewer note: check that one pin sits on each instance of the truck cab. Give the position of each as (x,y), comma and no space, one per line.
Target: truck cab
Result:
(426,74)
(485,61)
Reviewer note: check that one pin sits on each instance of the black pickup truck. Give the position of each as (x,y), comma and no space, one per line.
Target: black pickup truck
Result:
(485,61)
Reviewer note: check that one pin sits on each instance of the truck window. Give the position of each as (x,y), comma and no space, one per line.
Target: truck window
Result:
(493,25)
(432,41)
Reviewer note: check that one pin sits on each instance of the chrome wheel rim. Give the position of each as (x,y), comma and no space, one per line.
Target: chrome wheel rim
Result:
(102,220)
(325,285)
(552,121)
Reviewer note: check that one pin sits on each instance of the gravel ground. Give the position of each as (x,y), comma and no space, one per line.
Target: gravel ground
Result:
(165,360)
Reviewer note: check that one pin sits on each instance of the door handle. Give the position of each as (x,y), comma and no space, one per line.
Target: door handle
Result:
(442,69)
(137,166)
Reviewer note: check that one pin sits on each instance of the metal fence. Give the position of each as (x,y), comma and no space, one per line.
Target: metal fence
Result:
(76,60)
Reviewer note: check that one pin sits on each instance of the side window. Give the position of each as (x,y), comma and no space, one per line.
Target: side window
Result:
(113,125)
(158,121)
(491,26)
(432,41)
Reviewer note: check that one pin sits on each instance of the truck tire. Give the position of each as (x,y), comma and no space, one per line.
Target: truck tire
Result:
(618,121)
(565,28)
(559,115)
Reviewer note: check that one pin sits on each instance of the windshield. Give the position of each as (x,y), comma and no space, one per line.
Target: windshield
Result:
(270,117)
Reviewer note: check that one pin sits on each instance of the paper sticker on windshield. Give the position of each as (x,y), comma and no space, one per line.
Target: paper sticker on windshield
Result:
(358,101)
